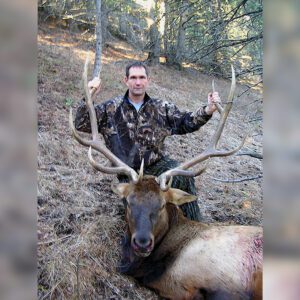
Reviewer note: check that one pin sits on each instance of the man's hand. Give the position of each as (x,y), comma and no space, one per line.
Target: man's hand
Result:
(94,86)
(212,98)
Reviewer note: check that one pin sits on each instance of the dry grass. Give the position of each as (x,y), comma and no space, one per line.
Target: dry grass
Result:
(80,221)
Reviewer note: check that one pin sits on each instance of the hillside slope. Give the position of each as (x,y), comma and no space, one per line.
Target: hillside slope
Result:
(79,219)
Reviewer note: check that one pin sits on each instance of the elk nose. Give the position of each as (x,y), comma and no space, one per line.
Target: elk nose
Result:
(142,242)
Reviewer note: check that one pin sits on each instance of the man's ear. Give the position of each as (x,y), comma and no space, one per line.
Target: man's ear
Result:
(178,197)
(121,189)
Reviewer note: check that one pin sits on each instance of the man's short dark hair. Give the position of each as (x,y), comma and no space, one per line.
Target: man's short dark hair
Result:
(136,64)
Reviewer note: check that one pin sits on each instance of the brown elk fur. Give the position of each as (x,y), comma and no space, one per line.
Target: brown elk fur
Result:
(189,260)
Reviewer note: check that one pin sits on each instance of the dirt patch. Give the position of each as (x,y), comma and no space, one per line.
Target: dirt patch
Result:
(80,221)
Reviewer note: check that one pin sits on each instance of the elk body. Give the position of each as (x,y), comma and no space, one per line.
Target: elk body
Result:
(183,259)
(179,258)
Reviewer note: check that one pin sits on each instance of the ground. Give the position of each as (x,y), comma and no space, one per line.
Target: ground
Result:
(80,220)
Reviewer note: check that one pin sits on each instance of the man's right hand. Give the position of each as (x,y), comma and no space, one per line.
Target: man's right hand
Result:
(94,86)
(212,98)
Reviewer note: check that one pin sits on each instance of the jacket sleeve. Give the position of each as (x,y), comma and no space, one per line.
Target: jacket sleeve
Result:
(82,119)
(185,122)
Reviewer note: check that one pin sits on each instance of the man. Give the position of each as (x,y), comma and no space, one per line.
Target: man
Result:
(135,125)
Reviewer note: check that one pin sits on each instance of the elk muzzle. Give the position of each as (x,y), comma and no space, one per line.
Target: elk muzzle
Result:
(142,243)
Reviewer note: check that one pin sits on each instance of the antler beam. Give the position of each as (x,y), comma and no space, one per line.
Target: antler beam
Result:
(211,150)
(119,167)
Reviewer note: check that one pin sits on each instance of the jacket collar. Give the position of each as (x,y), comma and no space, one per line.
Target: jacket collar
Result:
(125,98)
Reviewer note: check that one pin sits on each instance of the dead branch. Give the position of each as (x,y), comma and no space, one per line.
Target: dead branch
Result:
(225,44)
(250,87)
(251,153)
(238,180)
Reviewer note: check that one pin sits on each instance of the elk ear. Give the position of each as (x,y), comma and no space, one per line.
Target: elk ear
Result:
(121,189)
(179,197)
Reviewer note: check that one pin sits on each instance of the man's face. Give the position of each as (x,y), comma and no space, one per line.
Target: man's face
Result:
(137,81)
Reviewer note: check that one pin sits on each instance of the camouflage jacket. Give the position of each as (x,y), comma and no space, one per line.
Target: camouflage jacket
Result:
(133,135)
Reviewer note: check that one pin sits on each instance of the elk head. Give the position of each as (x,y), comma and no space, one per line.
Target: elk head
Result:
(146,212)
(147,196)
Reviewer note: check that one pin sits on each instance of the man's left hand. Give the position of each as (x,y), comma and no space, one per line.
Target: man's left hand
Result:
(212,98)
(95,86)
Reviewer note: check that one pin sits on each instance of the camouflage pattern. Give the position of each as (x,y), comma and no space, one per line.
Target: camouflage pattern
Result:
(133,135)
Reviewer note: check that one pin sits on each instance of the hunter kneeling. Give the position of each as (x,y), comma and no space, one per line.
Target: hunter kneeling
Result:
(134,127)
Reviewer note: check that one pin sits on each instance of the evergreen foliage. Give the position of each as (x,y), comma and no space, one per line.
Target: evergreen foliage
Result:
(210,35)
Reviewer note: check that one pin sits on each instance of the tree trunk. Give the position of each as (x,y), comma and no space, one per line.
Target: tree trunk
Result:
(180,43)
(154,36)
(122,26)
(104,22)
(180,47)
(170,32)
(217,28)
(166,28)
(97,64)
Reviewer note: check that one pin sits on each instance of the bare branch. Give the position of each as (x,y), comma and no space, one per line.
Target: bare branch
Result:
(250,153)
(238,180)
(250,87)
(226,43)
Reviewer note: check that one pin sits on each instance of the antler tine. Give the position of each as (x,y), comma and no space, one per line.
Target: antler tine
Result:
(119,166)
(225,111)
(104,169)
(89,102)
(141,172)
(211,150)
(165,179)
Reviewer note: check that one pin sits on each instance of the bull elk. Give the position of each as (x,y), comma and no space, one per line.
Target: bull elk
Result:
(179,258)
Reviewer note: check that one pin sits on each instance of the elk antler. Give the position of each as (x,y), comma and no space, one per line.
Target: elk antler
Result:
(211,150)
(119,167)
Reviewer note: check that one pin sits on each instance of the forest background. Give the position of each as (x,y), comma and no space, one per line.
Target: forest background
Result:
(208,35)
